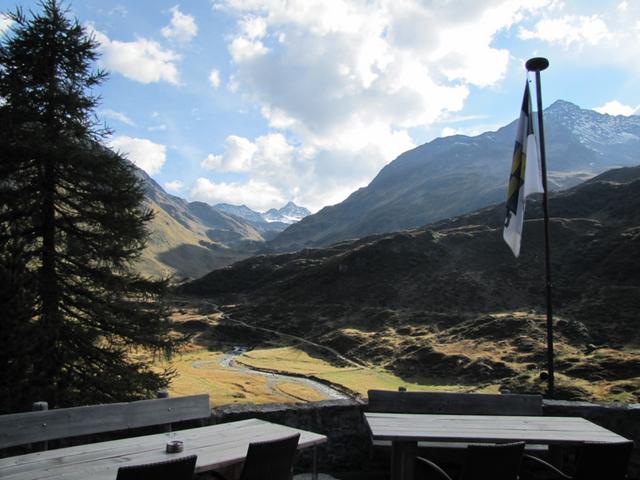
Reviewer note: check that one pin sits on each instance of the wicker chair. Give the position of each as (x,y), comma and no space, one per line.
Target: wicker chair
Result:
(270,460)
(495,462)
(594,461)
(177,469)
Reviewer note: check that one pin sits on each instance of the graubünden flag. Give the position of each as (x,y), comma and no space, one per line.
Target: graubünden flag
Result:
(526,175)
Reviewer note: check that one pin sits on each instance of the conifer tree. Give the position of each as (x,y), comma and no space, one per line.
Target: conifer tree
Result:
(71,225)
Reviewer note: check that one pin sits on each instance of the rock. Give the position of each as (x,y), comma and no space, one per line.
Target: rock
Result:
(574,331)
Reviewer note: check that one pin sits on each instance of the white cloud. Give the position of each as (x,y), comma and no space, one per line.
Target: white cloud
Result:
(243,49)
(347,80)
(253,27)
(182,27)
(5,22)
(214,78)
(602,36)
(255,194)
(269,156)
(614,107)
(141,60)
(449,132)
(119,116)
(145,154)
(174,186)
(236,157)
(569,30)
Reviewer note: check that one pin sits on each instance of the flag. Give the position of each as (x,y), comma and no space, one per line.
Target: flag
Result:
(526,175)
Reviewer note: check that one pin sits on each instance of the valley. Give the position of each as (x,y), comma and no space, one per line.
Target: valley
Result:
(275,368)
(408,281)
(447,305)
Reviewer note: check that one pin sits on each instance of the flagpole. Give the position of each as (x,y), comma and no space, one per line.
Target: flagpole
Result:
(538,64)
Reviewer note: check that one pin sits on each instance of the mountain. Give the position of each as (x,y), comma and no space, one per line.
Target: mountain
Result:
(457,174)
(187,240)
(241,211)
(286,215)
(448,304)
(290,213)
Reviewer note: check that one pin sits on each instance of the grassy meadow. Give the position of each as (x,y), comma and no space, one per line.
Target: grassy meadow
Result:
(201,367)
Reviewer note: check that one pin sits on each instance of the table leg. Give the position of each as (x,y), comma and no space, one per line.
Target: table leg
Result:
(556,456)
(314,472)
(402,460)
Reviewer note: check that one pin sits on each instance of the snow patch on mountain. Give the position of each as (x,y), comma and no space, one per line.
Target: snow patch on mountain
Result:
(290,213)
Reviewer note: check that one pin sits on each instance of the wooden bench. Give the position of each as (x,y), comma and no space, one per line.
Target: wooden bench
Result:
(41,426)
(454,403)
(384,401)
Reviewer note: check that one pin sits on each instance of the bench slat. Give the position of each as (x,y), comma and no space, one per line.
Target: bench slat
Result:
(31,427)
(454,403)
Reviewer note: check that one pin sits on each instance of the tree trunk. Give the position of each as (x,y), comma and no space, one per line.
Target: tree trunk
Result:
(51,323)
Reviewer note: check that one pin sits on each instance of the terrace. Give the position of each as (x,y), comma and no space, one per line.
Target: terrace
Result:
(348,452)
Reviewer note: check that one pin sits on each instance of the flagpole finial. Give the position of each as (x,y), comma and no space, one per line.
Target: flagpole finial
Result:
(537,64)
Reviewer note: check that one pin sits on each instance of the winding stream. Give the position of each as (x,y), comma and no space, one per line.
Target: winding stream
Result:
(228,361)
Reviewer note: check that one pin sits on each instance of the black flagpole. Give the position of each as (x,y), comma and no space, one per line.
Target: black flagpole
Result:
(537,65)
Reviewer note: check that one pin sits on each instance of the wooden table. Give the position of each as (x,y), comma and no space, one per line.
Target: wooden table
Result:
(405,430)
(216,446)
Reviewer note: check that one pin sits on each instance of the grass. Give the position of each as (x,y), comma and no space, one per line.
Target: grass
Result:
(359,380)
(199,371)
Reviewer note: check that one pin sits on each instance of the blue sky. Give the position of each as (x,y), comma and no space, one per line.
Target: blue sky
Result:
(259,102)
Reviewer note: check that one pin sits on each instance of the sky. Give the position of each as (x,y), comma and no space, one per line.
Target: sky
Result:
(260,102)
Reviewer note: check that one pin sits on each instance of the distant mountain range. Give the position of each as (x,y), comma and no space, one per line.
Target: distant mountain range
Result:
(290,213)
(438,180)
(448,302)
(189,239)
(457,174)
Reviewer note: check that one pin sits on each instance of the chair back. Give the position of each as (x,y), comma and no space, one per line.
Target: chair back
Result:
(178,469)
(270,460)
(495,462)
(603,460)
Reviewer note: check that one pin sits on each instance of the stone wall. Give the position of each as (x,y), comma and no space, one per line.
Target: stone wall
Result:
(347,452)
(347,448)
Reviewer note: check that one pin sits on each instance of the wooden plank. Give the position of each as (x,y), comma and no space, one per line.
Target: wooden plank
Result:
(115,448)
(215,446)
(530,447)
(29,427)
(209,457)
(454,403)
(470,429)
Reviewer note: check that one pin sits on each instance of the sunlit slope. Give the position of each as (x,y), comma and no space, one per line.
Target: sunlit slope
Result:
(187,240)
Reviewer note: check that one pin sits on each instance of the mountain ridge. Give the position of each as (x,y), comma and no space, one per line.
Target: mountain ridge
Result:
(449,176)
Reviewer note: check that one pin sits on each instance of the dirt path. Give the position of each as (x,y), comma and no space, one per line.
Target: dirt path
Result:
(332,351)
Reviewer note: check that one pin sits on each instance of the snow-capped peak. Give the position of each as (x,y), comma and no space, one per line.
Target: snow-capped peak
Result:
(290,213)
